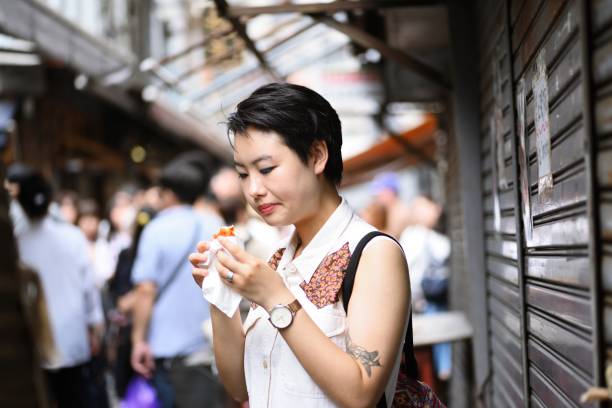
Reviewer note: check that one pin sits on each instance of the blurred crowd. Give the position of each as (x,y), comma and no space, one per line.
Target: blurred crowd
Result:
(95,262)
(419,226)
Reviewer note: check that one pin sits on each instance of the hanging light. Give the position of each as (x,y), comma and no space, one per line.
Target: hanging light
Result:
(138,154)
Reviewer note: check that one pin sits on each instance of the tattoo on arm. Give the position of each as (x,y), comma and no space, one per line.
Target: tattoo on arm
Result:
(367,358)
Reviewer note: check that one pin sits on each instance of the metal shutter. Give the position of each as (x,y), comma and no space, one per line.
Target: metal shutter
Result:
(543,286)
(501,249)
(601,96)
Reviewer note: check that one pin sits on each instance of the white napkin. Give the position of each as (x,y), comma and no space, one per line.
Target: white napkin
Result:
(215,291)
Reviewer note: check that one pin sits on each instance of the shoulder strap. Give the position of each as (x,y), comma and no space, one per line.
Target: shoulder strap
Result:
(182,260)
(347,289)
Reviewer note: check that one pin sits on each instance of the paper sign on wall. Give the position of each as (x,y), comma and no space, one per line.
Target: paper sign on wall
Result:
(542,129)
(498,152)
(523,162)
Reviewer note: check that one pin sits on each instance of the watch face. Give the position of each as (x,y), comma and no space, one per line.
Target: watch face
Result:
(281,317)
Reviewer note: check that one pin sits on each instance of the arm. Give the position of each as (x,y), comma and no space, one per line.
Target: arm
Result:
(228,341)
(226,332)
(93,306)
(357,377)
(145,292)
(142,358)
(144,296)
(126,302)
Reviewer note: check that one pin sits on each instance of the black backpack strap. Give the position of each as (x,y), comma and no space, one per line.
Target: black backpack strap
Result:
(411,366)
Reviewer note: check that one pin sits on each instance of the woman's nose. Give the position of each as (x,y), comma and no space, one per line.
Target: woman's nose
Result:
(256,188)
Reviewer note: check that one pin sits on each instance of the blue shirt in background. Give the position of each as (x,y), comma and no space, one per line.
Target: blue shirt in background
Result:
(175,328)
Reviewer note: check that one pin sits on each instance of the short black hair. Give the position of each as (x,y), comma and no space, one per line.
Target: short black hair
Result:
(34,195)
(182,179)
(204,162)
(299,115)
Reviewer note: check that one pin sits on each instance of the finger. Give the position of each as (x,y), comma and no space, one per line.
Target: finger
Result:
(198,275)
(198,260)
(229,262)
(224,272)
(203,246)
(240,254)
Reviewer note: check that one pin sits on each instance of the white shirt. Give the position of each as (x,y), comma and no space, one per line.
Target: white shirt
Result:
(274,376)
(422,246)
(103,260)
(57,251)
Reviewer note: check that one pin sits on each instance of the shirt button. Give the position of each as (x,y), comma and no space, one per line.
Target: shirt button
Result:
(265,364)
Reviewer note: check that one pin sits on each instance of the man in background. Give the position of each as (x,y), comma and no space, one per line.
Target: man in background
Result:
(57,251)
(167,337)
(386,191)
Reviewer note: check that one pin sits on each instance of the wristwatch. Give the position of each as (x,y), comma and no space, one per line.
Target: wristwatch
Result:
(281,316)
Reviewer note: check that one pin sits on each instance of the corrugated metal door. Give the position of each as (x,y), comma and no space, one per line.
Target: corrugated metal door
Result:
(601,70)
(501,248)
(541,247)
(549,79)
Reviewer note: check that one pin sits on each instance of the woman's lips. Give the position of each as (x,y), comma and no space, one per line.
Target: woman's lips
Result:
(266,209)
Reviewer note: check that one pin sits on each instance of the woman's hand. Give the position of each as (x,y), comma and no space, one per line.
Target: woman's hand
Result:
(199,260)
(253,278)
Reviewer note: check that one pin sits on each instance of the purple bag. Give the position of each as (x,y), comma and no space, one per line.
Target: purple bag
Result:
(140,394)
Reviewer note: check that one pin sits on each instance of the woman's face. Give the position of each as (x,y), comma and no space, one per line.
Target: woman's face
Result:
(277,184)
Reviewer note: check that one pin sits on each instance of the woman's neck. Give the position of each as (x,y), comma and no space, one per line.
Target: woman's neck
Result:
(307,228)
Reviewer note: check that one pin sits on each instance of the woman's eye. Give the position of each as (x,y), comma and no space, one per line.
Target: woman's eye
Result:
(242,176)
(267,170)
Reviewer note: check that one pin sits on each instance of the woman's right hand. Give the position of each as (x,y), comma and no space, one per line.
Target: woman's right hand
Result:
(198,260)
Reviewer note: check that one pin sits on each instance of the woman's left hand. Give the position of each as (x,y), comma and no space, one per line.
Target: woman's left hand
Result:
(253,278)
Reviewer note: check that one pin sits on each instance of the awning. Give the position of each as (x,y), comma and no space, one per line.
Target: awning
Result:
(60,40)
(412,147)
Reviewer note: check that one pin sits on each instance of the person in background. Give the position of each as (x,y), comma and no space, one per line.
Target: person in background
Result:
(427,253)
(207,202)
(98,249)
(259,238)
(121,215)
(147,196)
(375,214)
(122,298)
(168,344)
(57,251)
(386,190)
(15,173)
(67,201)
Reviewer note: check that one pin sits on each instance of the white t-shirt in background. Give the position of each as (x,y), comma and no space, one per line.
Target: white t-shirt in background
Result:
(57,251)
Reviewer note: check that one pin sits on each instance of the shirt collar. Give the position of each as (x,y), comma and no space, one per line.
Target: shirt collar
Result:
(321,244)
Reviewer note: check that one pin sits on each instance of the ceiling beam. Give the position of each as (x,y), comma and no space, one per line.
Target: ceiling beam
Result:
(341,5)
(412,149)
(209,62)
(280,26)
(291,36)
(212,36)
(369,41)
(240,28)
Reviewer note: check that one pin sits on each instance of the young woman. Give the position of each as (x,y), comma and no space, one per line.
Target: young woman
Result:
(297,346)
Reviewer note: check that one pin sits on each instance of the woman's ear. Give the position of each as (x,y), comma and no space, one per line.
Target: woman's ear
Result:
(319,156)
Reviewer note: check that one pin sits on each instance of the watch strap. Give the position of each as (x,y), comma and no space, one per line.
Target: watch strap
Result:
(294,306)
